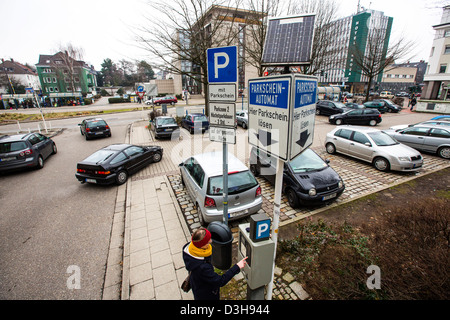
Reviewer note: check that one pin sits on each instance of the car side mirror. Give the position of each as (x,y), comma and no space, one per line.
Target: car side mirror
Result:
(79,124)
(327,161)
(181,164)
(368,144)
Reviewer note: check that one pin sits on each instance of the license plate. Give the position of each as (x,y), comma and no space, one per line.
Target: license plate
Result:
(328,197)
(417,165)
(168,129)
(7,159)
(237,213)
(91,180)
(101,132)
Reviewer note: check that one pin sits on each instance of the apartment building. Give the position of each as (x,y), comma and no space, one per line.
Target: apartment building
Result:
(437,76)
(12,71)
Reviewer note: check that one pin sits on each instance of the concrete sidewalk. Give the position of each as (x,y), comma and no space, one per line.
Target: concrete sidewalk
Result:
(148,233)
(147,237)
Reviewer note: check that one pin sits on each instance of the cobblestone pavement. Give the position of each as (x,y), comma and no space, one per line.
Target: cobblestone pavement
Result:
(359,177)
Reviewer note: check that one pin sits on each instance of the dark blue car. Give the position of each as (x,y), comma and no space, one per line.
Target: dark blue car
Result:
(195,122)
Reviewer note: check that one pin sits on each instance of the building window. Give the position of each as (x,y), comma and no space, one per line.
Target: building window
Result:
(447,33)
(447,49)
(442,68)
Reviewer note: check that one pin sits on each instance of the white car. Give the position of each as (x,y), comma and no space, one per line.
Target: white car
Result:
(202,176)
(373,146)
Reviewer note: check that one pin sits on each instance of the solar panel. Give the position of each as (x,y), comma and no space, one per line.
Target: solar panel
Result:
(289,40)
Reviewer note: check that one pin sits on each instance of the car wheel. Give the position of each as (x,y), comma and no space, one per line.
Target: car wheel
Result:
(292,198)
(244,125)
(172,103)
(254,170)
(122,177)
(381,164)
(444,152)
(373,123)
(157,157)
(54,149)
(338,122)
(331,149)
(40,163)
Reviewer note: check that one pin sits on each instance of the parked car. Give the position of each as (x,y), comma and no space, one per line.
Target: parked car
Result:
(376,105)
(402,94)
(115,163)
(425,137)
(242,118)
(370,117)
(426,123)
(94,127)
(441,118)
(386,94)
(165,126)
(328,107)
(373,146)
(307,179)
(164,100)
(195,121)
(389,105)
(25,151)
(354,105)
(202,175)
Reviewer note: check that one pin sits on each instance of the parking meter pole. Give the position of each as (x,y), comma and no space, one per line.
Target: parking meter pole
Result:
(255,294)
(276,218)
(225,181)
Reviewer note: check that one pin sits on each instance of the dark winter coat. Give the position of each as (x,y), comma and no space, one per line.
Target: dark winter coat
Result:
(206,283)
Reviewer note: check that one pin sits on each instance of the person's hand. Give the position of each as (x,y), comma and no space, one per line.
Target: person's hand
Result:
(242,263)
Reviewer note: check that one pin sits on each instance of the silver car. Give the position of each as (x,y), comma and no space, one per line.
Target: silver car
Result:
(425,137)
(202,175)
(242,118)
(374,146)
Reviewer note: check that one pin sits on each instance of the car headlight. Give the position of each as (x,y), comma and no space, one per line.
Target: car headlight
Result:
(340,184)
(312,192)
(332,117)
(403,158)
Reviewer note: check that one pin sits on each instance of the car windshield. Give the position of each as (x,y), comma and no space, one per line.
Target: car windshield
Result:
(306,161)
(237,182)
(99,156)
(12,146)
(200,118)
(92,124)
(382,139)
(166,121)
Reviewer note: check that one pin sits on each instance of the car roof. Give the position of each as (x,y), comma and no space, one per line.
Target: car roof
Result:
(360,129)
(430,125)
(117,146)
(94,119)
(15,137)
(211,162)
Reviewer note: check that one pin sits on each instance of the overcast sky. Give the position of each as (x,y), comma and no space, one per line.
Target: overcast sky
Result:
(104,28)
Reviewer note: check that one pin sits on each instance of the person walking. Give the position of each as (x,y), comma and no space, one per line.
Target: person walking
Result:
(205,283)
(413,102)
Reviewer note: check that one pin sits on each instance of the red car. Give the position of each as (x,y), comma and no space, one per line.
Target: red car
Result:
(165,100)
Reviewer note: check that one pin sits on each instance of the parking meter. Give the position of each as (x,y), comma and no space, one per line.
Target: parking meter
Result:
(254,242)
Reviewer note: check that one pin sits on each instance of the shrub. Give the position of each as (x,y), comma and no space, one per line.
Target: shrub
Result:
(118,100)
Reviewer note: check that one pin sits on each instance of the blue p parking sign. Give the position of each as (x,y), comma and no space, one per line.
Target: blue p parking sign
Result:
(222,64)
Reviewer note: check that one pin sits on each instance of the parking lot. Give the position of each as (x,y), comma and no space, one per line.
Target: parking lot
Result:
(360,178)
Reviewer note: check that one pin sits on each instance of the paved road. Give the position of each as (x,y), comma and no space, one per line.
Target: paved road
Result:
(49,221)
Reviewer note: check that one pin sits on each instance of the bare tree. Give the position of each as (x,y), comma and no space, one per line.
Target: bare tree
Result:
(178,40)
(378,56)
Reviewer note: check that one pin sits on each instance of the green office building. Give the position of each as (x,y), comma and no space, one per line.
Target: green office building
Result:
(363,33)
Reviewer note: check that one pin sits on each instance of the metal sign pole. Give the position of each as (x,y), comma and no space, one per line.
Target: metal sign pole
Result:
(225,180)
(276,219)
